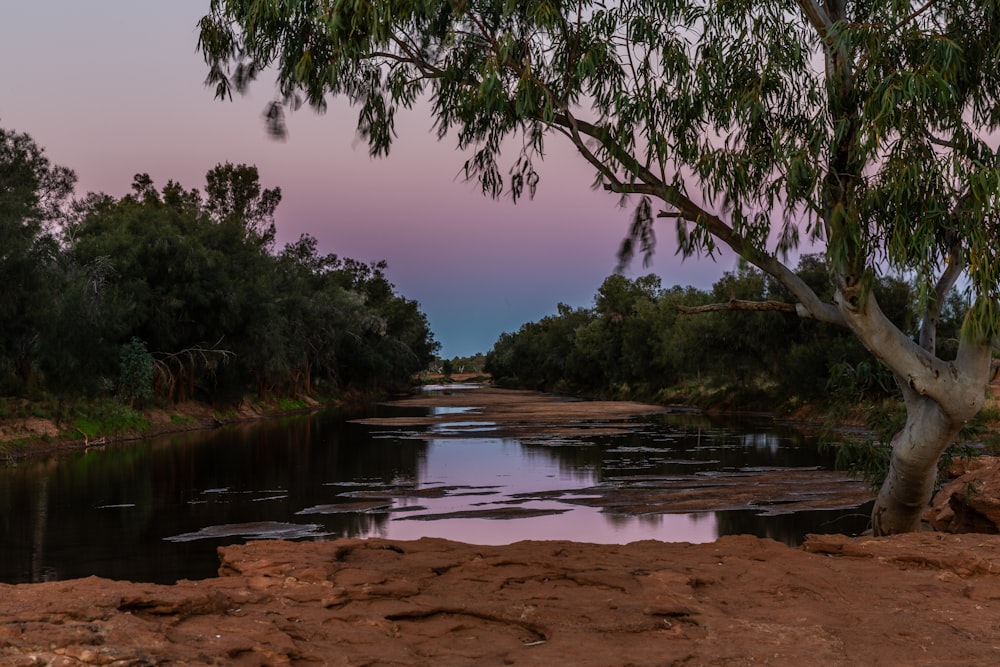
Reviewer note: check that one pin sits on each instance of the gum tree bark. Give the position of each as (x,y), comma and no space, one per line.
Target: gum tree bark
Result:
(940,398)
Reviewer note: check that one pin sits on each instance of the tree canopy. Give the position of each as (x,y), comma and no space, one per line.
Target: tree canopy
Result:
(864,127)
(182,292)
(636,343)
(749,121)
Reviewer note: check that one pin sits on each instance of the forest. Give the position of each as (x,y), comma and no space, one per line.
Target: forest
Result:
(636,342)
(179,293)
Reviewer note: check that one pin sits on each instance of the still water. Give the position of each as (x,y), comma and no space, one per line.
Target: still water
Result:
(156,510)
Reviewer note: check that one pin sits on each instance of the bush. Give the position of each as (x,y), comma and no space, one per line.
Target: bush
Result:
(135,372)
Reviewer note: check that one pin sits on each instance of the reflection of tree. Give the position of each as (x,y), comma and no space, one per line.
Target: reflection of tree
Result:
(680,444)
(117,505)
(41,522)
(791,529)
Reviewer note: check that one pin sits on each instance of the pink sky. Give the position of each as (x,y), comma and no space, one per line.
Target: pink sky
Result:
(115,87)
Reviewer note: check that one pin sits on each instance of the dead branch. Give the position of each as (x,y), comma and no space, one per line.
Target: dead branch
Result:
(172,370)
(739,304)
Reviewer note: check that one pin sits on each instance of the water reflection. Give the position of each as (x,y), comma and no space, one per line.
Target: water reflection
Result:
(156,510)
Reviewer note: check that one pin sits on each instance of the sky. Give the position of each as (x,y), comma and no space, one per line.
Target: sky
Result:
(111,88)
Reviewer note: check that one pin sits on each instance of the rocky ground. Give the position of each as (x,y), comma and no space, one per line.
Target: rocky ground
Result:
(922,599)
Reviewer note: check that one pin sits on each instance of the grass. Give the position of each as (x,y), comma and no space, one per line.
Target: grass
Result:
(108,418)
(292,404)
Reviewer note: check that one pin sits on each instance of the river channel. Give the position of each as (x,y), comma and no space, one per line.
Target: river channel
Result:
(156,510)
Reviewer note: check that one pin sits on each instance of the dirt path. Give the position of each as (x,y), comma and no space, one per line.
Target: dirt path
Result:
(926,599)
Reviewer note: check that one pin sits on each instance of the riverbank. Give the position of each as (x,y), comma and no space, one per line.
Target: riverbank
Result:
(30,430)
(737,601)
(920,599)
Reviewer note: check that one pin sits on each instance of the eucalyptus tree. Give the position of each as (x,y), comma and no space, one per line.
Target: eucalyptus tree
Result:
(862,126)
(33,197)
(183,282)
(620,337)
(233,195)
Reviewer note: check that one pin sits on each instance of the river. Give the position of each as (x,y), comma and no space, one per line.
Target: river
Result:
(155,510)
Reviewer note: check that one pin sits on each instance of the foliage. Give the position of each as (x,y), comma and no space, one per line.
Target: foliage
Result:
(33,194)
(841,115)
(182,294)
(103,419)
(135,372)
(543,354)
(634,343)
(473,364)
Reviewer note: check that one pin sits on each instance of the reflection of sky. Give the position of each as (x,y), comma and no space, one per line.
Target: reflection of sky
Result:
(489,461)
(582,524)
(512,469)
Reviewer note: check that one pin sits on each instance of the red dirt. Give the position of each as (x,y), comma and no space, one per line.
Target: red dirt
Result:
(922,599)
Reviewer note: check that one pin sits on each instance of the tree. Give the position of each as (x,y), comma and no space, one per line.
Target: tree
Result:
(234,196)
(33,193)
(184,283)
(135,372)
(863,126)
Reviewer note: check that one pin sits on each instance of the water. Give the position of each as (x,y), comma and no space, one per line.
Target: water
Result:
(157,510)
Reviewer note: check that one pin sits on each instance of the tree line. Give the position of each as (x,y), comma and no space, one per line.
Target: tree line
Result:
(636,341)
(184,293)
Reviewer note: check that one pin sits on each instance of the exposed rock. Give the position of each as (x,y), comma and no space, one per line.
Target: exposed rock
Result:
(970,503)
(921,599)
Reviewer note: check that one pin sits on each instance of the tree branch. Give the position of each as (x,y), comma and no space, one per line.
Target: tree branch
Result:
(817,16)
(648,184)
(739,304)
(932,312)
(914,14)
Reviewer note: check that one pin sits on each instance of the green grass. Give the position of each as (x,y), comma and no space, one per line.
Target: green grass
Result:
(292,404)
(95,419)
(990,413)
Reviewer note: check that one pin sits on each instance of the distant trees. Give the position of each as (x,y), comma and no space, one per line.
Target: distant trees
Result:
(471,364)
(636,342)
(183,292)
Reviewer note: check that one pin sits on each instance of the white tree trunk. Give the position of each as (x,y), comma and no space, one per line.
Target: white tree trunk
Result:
(940,398)
(908,487)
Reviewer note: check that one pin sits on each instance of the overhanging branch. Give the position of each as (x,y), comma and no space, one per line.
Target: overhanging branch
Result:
(646,182)
(739,304)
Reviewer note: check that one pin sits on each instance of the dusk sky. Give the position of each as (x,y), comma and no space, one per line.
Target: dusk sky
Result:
(111,88)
